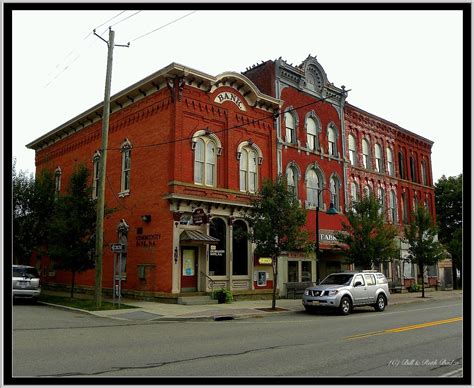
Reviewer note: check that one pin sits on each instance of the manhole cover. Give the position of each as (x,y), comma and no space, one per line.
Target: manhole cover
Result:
(138,315)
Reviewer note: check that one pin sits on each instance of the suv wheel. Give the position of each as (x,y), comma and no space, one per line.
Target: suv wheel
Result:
(346,305)
(381,303)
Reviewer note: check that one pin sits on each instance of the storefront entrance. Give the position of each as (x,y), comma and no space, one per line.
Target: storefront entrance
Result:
(189,269)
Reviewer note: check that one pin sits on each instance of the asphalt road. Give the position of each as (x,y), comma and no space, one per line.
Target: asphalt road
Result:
(412,340)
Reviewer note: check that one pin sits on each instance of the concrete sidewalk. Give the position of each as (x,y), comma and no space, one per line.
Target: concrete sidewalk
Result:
(153,311)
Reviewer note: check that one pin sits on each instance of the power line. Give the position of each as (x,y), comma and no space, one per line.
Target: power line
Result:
(128,17)
(274,115)
(163,26)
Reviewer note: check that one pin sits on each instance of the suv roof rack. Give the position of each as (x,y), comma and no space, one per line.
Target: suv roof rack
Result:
(370,270)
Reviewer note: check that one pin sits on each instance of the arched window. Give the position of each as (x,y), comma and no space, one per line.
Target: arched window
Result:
(248,170)
(413,169)
(424,179)
(381,199)
(354,193)
(378,158)
(240,249)
(332,140)
(95,174)
(291,179)
(367,191)
(126,150)
(312,134)
(352,150)
(313,186)
(390,168)
(393,207)
(405,208)
(57,180)
(334,188)
(401,164)
(205,157)
(290,128)
(217,252)
(365,153)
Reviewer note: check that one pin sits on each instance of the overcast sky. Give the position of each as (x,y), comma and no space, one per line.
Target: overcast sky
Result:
(404,66)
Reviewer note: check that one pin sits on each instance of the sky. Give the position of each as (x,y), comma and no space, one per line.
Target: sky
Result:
(404,66)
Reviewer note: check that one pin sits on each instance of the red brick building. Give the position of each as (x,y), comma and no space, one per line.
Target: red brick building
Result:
(185,151)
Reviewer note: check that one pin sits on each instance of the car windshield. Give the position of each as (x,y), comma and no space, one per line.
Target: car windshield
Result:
(339,279)
(25,272)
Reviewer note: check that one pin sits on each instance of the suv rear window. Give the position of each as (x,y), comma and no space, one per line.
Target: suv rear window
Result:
(28,272)
(381,279)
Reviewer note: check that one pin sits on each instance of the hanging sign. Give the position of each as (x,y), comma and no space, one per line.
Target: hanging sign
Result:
(228,96)
(199,217)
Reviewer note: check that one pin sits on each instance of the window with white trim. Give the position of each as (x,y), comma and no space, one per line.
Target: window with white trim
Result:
(390,168)
(381,199)
(57,180)
(291,179)
(205,157)
(332,141)
(378,158)
(313,186)
(365,153)
(424,179)
(248,170)
(126,150)
(334,187)
(352,150)
(95,175)
(393,206)
(354,192)
(312,134)
(290,128)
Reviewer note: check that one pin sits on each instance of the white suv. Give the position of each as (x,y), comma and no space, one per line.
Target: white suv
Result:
(346,290)
(25,282)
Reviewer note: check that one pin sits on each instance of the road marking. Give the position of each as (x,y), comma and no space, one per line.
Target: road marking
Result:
(404,328)
(454,372)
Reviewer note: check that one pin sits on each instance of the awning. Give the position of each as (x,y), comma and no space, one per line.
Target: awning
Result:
(195,236)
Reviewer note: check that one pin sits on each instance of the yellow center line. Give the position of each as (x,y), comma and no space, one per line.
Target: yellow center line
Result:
(404,328)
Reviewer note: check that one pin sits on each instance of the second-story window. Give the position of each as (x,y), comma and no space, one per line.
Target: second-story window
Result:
(248,170)
(401,164)
(381,199)
(334,187)
(378,158)
(57,180)
(393,206)
(313,188)
(352,150)
(291,175)
(126,150)
(95,175)
(413,169)
(424,179)
(205,156)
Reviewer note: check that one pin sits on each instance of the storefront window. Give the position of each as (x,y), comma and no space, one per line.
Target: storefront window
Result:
(217,252)
(239,249)
(306,271)
(292,271)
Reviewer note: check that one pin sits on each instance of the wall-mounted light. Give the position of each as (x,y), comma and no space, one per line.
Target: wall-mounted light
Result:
(176,255)
(146,218)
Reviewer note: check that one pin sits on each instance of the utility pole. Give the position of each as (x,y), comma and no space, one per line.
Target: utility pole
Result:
(102,170)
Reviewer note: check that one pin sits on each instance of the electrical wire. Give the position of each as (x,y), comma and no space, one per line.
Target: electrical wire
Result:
(128,17)
(274,115)
(163,26)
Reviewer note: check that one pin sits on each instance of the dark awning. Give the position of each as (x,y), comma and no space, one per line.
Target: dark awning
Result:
(195,236)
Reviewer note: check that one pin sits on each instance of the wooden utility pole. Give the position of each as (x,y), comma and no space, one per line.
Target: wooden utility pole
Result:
(99,247)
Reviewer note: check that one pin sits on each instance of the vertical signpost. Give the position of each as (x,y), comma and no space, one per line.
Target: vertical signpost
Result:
(117,281)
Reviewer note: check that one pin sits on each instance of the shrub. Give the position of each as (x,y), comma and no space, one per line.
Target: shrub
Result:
(414,288)
(223,296)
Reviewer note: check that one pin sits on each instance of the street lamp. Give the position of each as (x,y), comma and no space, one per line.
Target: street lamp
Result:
(331,211)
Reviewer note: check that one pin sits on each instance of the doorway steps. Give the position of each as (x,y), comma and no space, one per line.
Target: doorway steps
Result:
(196,300)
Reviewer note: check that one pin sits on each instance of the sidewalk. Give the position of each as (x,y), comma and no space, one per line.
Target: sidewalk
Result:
(153,311)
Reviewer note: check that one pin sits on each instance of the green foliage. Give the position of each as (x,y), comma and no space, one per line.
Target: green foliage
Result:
(414,288)
(73,226)
(277,220)
(33,204)
(420,234)
(449,206)
(367,239)
(223,294)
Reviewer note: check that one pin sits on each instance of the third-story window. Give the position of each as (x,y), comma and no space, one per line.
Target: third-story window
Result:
(390,168)
(95,176)
(378,158)
(332,138)
(424,179)
(413,169)
(352,150)
(401,164)
(365,153)
(248,170)
(311,134)
(290,128)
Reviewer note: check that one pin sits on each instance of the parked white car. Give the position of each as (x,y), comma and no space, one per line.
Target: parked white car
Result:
(25,282)
(346,290)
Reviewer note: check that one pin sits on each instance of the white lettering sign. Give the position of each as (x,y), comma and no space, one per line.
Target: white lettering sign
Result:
(228,96)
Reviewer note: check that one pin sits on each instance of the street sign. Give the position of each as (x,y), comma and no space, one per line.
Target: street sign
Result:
(117,248)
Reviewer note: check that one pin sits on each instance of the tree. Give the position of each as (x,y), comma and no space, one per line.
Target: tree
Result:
(73,227)
(421,236)
(449,207)
(367,239)
(33,204)
(276,224)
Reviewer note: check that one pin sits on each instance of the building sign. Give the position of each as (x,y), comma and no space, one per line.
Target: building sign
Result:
(199,217)
(327,236)
(264,260)
(147,240)
(228,96)
(216,252)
